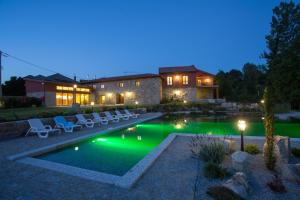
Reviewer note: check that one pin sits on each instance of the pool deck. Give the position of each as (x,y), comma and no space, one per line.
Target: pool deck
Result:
(172,175)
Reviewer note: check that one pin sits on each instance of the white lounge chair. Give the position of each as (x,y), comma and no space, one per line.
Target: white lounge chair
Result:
(62,123)
(36,126)
(121,116)
(81,120)
(111,117)
(98,119)
(131,114)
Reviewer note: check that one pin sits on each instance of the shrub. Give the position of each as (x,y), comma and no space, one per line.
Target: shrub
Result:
(222,193)
(213,170)
(88,110)
(19,102)
(296,152)
(252,149)
(213,152)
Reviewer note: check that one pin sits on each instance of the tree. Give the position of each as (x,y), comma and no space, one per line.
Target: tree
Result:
(246,86)
(14,87)
(283,55)
(268,104)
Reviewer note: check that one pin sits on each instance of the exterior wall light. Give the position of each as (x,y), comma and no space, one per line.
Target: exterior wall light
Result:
(177,77)
(109,94)
(207,80)
(92,103)
(136,102)
(242,127)
(74,86)
(262,101)
(177,92)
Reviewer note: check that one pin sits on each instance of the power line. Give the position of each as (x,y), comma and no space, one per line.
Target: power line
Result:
(28,63)
(33,65)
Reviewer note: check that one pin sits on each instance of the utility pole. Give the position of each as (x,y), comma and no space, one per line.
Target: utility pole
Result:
(0,74)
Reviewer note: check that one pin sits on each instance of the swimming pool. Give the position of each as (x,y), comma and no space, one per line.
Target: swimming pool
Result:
(118,151)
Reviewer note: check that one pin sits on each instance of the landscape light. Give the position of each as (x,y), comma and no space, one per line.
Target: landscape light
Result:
(242,127)
(262,101)
(184,101)
(178,126)
(136,102)
(92,103)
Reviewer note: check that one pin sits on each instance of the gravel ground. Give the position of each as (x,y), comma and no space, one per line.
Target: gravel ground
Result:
(172,176)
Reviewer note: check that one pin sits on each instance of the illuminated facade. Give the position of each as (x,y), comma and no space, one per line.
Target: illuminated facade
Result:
(185,83)
(57,90)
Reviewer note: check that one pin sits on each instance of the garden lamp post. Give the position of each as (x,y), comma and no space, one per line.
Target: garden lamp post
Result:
(242,127)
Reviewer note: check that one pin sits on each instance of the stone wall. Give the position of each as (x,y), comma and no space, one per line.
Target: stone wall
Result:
(205,93)
(191,94)
(188,94)
(149,92)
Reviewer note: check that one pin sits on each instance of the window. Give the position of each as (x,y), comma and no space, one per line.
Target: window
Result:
(185,80)
(137,83)
(102,86)
(65,88)
(169,80)
(121,84)
(102,99)
(64,99)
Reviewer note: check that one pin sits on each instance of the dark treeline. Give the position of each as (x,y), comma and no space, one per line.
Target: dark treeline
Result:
(14,87)
(242,86)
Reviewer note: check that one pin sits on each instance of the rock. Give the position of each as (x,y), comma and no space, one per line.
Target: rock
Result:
(238,184)
(240,161)
(291,172)
(282,150)
(229,146)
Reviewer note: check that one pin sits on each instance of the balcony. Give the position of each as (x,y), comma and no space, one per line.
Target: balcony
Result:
(205,83)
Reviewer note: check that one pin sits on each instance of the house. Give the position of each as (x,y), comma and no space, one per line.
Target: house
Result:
(129,90)
(187,83)
(183,83)
(57,90)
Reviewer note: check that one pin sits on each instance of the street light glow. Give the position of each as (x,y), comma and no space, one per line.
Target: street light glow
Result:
(242,125)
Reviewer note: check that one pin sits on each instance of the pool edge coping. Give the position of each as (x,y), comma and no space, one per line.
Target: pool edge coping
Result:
(125,181)
(68,142)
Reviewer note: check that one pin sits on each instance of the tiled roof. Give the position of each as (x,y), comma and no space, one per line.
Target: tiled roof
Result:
(120,78)
(52,78)
(178,69)
(190,68)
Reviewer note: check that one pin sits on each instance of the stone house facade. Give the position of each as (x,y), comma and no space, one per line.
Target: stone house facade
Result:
(187,83)
(142,89)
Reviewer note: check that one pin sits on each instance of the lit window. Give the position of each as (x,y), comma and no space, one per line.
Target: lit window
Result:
(185,80)
(121,84)
(102,86)
(137,83)
(169,80)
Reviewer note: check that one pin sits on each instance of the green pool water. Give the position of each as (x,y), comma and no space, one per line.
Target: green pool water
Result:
(117,151)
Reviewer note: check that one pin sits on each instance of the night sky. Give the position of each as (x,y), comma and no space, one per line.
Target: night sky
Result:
(105,38)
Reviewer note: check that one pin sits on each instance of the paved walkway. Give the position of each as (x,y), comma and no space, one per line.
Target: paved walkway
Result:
(172,176)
